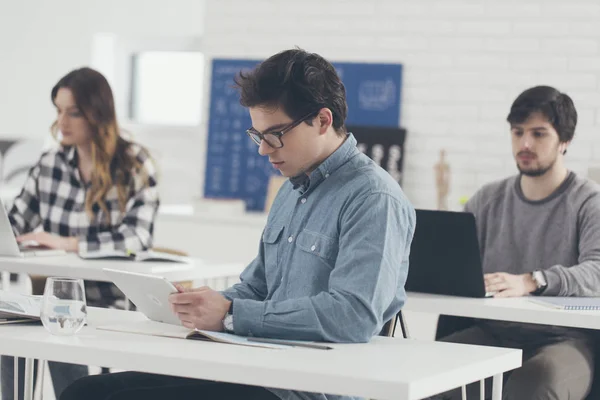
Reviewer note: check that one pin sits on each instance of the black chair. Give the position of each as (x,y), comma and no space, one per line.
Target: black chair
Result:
(448,324)
(389,329)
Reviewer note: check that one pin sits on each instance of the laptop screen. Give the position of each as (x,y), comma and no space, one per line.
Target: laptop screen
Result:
(444,255)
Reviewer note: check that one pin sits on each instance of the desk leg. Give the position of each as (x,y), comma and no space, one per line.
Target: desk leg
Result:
(463,393)
(16,378)
(482,389)
(5,280)
(40,374)
(497,387)
(28,390)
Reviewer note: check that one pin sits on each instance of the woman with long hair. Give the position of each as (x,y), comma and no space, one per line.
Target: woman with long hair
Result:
(95,192)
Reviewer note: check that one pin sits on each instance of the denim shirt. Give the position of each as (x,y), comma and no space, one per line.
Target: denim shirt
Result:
(333,258)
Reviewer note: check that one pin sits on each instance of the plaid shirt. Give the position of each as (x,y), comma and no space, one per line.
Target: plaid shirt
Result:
(53,198)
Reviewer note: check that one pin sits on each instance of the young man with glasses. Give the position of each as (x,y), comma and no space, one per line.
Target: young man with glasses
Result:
(333,257)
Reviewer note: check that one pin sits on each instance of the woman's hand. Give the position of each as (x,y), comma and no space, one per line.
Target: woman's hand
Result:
(51,241)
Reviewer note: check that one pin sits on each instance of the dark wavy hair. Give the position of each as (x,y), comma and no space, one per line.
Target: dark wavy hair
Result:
(297,81)
(557,107)
(113,163)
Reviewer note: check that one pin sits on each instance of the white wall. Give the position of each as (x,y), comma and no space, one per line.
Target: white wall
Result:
(40,41)
(465,62)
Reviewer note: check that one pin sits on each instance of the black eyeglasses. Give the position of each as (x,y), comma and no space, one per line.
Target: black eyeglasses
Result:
(273,139)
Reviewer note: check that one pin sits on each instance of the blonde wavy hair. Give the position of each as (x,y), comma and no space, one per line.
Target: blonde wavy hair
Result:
(114,163)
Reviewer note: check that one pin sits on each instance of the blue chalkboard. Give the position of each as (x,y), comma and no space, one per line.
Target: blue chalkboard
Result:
(234,169)
(372,92)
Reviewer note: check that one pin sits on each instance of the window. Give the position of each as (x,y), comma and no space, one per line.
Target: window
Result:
(166,87)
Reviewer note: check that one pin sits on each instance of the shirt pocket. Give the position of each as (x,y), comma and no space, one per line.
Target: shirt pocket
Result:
(271,240)
(321,246)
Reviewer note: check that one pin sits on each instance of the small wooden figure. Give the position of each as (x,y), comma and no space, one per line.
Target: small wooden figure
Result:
(442,181)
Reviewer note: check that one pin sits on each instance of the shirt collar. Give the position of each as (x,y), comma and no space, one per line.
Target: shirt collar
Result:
(70,155)
(339,157)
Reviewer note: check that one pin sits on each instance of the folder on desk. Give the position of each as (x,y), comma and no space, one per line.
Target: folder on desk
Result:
(569,303)
(18,308)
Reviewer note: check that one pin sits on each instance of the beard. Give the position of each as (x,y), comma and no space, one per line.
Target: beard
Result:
(535,172)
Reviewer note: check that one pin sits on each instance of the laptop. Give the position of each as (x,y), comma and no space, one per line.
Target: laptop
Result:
(444,255)
(9,247)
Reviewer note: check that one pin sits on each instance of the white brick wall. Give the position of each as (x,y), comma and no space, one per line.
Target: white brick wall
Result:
(465,62)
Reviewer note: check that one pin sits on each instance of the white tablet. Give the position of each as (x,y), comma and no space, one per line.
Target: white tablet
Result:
(149,293)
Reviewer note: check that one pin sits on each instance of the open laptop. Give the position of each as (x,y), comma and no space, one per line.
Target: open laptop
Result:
(9,246)
(444,255)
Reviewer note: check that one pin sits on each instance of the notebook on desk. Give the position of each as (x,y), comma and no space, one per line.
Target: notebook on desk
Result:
(569,303)
(154,328)
(146,255)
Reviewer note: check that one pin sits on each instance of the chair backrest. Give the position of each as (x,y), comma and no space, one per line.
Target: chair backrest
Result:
(389,328)
(20,157)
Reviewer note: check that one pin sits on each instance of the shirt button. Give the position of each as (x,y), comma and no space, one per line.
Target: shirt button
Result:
(290,239)
(303,201)
(326,175)
(313,248)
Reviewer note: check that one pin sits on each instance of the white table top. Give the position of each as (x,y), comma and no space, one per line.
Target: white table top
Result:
(386,368)
(517,309)
(73,266)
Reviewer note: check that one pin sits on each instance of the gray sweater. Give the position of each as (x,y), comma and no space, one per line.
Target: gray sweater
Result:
(559,234)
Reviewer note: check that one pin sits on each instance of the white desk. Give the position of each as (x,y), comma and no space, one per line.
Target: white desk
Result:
(72,266)
(511,309)
(386,368)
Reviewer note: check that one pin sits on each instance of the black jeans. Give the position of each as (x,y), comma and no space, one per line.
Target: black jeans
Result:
(137,385)
(62,376)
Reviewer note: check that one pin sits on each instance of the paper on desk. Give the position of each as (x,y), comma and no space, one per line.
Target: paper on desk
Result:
(19,305)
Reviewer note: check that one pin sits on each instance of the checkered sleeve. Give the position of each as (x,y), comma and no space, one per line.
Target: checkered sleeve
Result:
(24,214)
(136,228)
